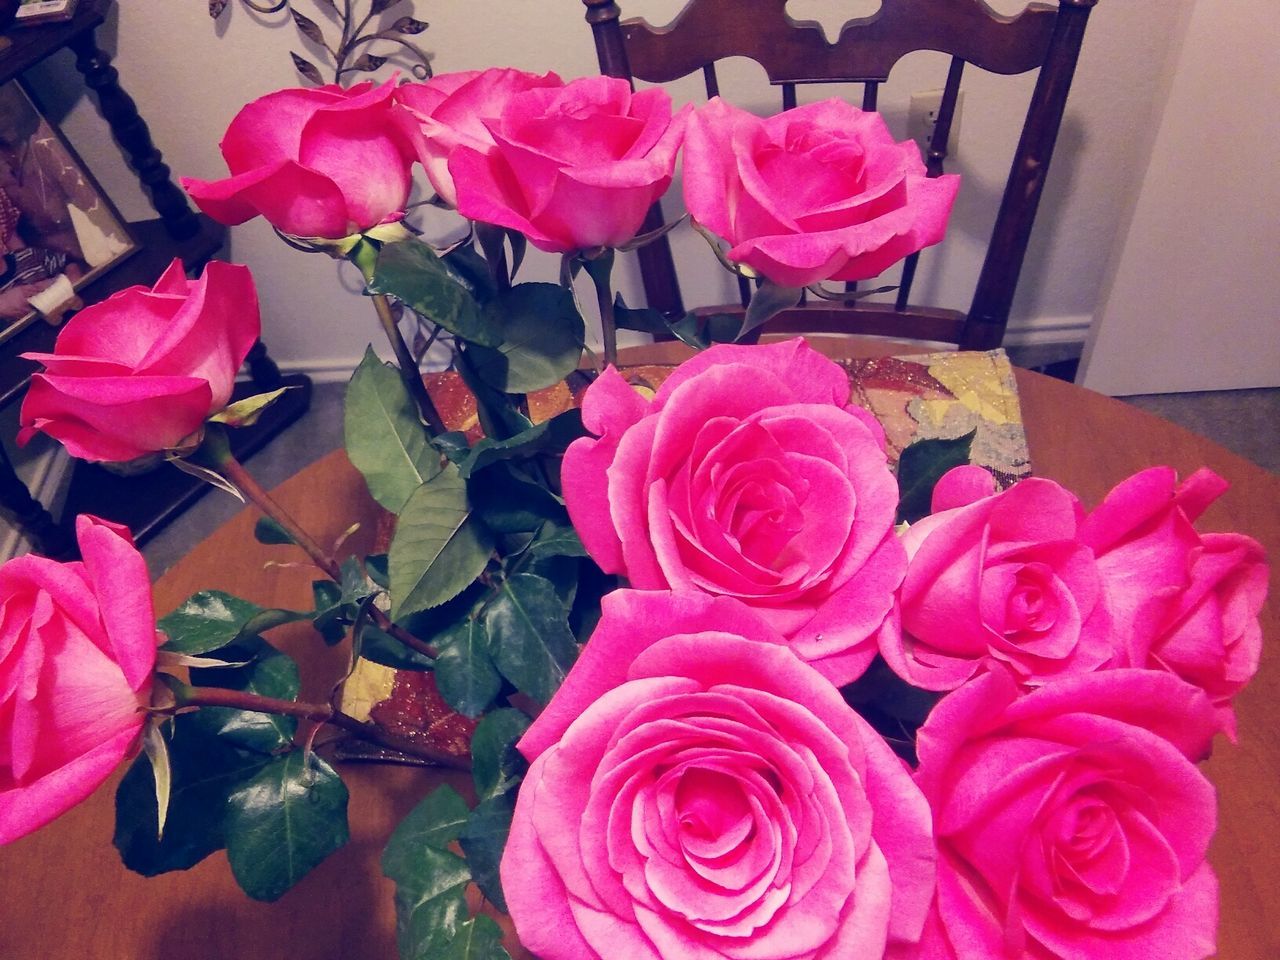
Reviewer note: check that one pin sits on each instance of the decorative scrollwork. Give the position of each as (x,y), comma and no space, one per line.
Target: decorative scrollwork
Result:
(350,52)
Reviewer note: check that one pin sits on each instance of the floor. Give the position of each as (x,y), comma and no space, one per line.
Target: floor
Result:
(1244,421)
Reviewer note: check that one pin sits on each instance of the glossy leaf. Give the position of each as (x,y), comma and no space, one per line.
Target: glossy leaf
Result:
(203,772)
(385,440)
(206,621)
(921,466)
(496,764)
(283,822)
(483,839)
(269,674)
(477,939)
(551,436)
(557,539)
(429,879)
(410,271)
(542,338)
(465,676)
(496,410)
(269,532)
(381,647)
(439,547)
(529,635)
(510,502)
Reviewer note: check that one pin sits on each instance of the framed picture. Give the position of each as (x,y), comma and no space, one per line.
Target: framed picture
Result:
(58,230)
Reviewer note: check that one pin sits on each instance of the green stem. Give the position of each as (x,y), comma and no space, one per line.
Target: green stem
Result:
(408,367)
(317,713)
(600,269)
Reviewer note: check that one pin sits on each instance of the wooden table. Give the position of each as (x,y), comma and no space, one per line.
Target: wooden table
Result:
(64,894)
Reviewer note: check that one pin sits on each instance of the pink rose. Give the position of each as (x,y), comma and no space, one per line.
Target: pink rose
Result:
(697,791)
(1184,602)
(1070,821)
(140,371)
(571,167)
(451,109)
(821,192)
(316,162)
(748,475)
(77,649)
(998,579)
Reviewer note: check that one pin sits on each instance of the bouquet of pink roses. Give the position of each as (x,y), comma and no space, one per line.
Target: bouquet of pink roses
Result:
(736,696)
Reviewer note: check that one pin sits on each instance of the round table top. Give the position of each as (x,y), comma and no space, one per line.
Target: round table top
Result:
(64,893)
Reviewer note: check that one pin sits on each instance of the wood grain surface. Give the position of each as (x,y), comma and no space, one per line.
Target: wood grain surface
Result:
(65,895)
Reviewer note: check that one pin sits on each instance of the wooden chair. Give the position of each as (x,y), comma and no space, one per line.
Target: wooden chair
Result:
(795,52)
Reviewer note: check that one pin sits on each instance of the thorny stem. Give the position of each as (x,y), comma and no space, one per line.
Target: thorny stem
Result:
(234,470)
(408,367)
(317,713)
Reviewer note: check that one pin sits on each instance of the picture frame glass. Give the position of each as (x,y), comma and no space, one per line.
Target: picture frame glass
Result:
(58,230)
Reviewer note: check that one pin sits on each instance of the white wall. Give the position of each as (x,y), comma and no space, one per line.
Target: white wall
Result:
(190,75)
(1194,302)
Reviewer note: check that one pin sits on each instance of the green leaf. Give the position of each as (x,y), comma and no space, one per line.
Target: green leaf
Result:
(429,879)
(268,531)
(549,437)
(385,440)
(206,621)
(381,647)
(410,271)
(557,539)
(283,822)
(465,676)
(497,412)
(245,413)
(270,674)
(920,468)
(511,502)
(439,547)
(529,635)
(496,764)
(375,565)
(436,821)
(477,939)
(471,270)
(542,338)
(433,907)
(767,301)
(643,319)
(483,840)
(203,772)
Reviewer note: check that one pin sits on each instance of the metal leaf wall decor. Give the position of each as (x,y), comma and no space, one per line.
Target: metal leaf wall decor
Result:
(350,41)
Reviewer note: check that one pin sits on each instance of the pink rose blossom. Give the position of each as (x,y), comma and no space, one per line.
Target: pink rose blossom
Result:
(138,372)
(451,109)
(749,475)
(571,167)
(1070,821)
(697,791)
(821,192)
(1184,602)
(315,162)
(998,579)
(77,649)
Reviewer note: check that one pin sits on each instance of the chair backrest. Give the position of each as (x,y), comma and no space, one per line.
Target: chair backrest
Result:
(795,52)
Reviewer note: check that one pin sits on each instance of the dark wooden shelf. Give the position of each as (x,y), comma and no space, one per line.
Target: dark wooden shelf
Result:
(29,45)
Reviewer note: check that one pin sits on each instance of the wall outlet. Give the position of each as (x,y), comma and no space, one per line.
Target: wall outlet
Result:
(922,114)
